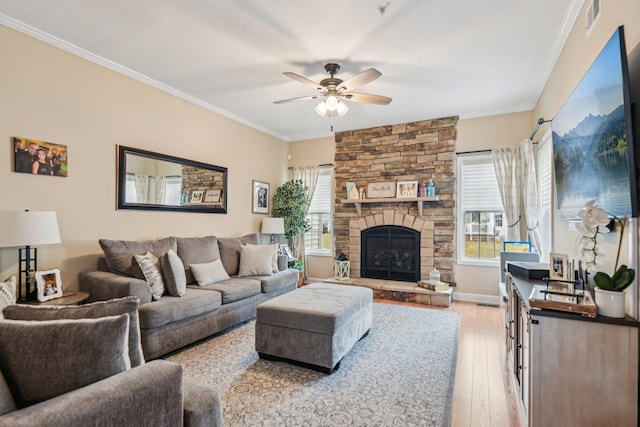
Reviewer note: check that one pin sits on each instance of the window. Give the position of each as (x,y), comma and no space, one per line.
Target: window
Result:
(318,239)
(545,190)
(480,211)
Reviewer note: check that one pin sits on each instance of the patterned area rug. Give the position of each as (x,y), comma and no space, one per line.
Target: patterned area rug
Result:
(401,374)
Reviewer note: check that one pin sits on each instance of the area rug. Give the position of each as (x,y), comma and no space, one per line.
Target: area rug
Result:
(401,374)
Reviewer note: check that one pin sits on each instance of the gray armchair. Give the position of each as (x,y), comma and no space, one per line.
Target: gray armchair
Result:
(150,395)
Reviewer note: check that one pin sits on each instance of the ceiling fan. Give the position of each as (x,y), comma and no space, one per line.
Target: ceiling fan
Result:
(333,90)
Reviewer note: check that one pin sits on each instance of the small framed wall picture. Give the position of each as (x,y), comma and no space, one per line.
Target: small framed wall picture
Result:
(406,189)
(260,197)
(49,284)
(558,266)
(39,157)
(196,196)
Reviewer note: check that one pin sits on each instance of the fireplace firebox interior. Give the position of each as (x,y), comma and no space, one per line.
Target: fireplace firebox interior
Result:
(390,252)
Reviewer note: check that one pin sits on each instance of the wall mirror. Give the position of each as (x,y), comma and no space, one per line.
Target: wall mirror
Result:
(153,181)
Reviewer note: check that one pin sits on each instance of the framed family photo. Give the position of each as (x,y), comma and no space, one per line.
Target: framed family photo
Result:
(260,197)
(39,157)
(558,266)
(48,284)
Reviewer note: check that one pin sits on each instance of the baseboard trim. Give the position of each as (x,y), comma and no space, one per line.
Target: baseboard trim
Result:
(478,298)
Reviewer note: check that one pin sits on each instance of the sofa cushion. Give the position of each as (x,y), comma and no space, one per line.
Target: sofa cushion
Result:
(209,272)
(278,280)
(230,251)
(236,288)
(197,250)
(120,253)
(150,266)
(175,279)
(94,310)
(45,359)
(170,309)
(7,293)
(256,260)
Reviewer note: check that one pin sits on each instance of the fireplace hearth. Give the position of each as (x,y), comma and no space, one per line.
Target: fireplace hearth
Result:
(390,252)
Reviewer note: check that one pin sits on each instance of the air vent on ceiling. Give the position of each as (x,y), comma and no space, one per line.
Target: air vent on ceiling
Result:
(593,12)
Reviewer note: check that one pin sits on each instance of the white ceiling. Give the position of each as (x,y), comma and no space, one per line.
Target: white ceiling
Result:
(437,57)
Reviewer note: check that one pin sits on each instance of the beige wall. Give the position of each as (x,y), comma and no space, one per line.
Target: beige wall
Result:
(51,95)
(507,130)
(579,52)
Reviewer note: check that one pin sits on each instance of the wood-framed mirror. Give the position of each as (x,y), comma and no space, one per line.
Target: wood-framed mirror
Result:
(154,181)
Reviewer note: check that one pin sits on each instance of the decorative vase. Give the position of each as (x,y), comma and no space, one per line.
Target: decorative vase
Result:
(610,303)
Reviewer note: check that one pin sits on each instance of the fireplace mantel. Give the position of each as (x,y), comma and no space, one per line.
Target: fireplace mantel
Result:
(418,200)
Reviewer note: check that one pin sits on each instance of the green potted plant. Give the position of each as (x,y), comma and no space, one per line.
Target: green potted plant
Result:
(290,202)
(609,291)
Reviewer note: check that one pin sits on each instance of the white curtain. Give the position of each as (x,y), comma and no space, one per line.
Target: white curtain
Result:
(507,164)
(530,199)
(309,177)
(161,189)
(142,188)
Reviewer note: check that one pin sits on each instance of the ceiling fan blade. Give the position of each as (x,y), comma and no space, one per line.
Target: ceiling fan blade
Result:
(304,80)
(367,98)
(359,79)
(302,98)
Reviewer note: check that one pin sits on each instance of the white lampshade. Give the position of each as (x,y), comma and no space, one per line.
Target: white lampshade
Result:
(28,228)
(273,226)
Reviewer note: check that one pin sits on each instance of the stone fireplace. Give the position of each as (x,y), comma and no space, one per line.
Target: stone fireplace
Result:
(416,151)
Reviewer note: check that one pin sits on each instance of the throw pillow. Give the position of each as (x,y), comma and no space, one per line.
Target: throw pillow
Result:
(42,360)
(175,278)
(126,305)
(230,251)
(256,260)
(120,253)
(209,272)
(7,293)
(150,266)
(197,250)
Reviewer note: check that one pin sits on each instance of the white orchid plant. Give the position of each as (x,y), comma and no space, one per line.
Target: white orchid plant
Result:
(594,223)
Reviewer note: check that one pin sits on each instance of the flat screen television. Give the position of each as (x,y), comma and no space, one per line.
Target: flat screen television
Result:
(593,139)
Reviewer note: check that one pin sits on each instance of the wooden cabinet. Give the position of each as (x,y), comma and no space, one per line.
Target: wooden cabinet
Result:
(571,370)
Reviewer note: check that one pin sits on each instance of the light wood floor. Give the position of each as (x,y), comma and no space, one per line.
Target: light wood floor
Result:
(483,394)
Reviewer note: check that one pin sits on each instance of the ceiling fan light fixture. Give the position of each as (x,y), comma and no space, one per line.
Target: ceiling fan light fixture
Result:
(322,109)
(332,102)
(342,108)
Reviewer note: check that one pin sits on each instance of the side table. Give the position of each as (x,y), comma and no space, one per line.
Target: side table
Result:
(67,298)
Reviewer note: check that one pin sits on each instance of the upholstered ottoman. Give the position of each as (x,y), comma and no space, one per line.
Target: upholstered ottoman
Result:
(315,325)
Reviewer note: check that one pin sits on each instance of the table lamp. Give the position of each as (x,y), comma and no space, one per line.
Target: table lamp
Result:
(26,229)
(273,226)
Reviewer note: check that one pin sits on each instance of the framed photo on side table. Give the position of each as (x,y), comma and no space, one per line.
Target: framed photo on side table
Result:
(558,266)
(49,284)
(260,197)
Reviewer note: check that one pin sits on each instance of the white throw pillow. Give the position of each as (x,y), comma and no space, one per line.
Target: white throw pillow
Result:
(209,272)
(275,258)
(256,260)
(7,293)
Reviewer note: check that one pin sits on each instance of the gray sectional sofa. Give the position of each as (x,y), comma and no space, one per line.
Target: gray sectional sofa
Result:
(172,322)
